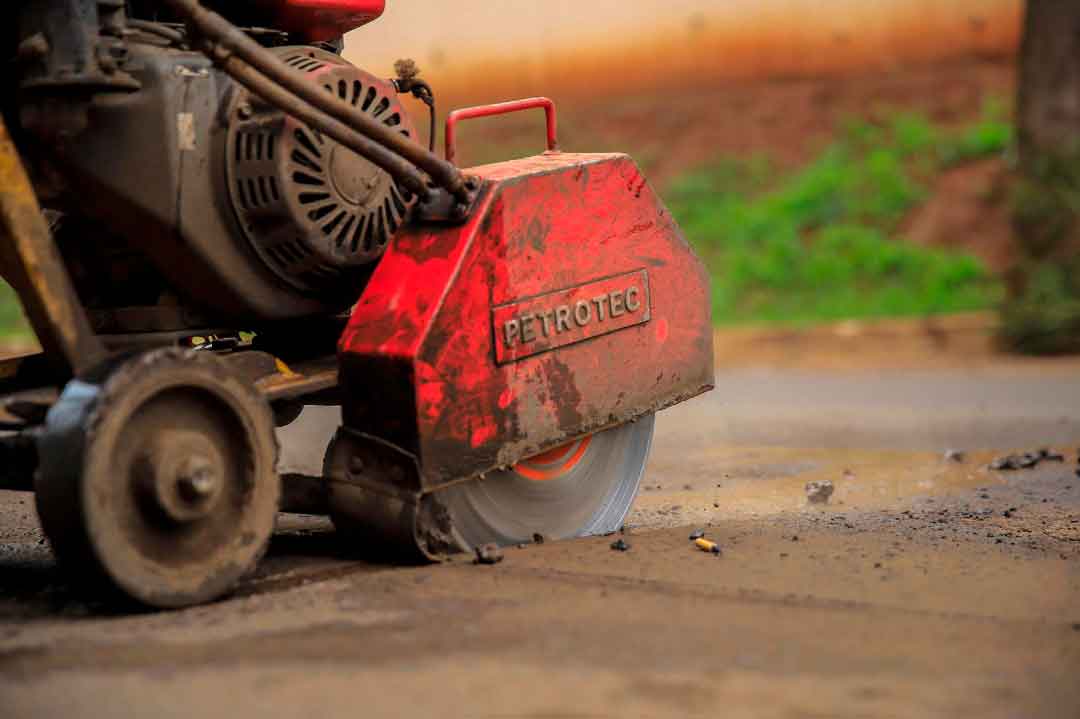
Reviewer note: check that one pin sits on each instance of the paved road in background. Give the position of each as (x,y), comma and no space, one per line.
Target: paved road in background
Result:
(926,587)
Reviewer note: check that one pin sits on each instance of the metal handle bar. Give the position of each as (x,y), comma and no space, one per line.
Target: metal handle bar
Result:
(502,108)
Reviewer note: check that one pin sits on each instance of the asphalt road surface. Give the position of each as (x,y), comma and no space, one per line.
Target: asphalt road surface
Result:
(925,587)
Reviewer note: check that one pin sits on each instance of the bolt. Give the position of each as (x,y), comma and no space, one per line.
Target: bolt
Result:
(197,481)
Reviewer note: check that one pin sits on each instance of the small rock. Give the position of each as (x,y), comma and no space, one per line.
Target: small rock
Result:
(697,534)
(688,487)
(818,492)
(1027,460)
(795,538)
(877,565)
(488,554)
(1048,455)
(955,455)
(1030,459)
(538,538)
(1004,463)
(620,545)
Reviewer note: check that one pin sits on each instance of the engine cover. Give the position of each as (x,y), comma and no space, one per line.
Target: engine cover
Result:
(311,208)
(325,19)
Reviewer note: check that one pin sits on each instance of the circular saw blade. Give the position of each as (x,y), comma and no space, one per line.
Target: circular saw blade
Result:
(583,488)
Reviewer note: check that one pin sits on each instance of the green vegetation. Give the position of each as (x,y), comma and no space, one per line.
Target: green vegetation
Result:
(12,324)
(822,243)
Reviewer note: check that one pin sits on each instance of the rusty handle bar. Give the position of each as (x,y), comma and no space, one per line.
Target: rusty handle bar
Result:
(502,108)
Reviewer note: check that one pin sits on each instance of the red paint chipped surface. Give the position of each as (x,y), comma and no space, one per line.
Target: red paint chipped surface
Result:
(661,330)
(544,224)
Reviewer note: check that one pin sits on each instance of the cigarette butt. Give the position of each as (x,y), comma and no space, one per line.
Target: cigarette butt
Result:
(706,546)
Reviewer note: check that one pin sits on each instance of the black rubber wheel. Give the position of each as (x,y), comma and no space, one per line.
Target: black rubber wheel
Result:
(159,484)
(580,489)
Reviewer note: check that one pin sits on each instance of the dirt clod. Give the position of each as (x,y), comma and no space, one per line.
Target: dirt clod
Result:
(955,455)
(819,492)
(488,554)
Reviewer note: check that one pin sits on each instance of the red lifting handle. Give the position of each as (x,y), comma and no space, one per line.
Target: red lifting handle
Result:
(502,108)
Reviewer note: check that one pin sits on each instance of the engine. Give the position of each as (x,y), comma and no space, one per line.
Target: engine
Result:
(312,209)
(178,194)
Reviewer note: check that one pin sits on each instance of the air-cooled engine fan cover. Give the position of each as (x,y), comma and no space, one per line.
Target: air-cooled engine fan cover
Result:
(313,210)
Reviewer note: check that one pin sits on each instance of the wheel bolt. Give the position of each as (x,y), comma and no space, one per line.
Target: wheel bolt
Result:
(196,481)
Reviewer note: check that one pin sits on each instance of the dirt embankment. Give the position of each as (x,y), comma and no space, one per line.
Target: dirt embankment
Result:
(788,120)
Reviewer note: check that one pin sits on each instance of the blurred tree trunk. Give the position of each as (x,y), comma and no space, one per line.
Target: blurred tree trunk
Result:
(1042,313)
(1049,90)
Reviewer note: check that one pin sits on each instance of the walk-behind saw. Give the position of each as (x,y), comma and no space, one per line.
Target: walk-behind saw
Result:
(213,220)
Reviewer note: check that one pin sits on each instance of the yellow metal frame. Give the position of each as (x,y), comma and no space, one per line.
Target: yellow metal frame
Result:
(30,262)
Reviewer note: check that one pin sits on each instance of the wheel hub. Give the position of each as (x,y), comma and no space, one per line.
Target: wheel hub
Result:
(183,478)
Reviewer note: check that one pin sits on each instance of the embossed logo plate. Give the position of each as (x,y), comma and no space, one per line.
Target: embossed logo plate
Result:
(556,319)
